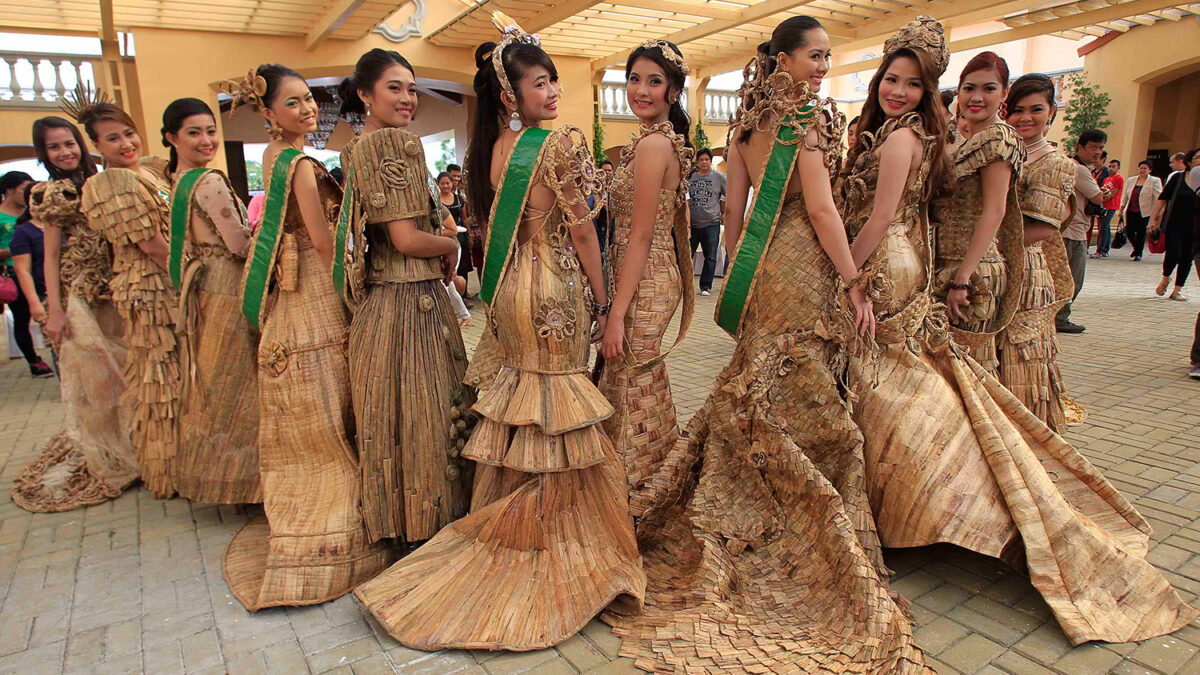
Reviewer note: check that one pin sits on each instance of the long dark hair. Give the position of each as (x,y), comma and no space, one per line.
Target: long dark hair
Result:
(367,71)
(87,166)
(490,112)
(1028,85)
(676,115)
(787,37)
(179,110)
(273,74)
(932,119)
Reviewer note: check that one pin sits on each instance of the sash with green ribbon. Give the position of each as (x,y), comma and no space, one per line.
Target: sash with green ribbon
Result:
(181,201)
(256,281)
(760,227)
(508,207)
(343,239)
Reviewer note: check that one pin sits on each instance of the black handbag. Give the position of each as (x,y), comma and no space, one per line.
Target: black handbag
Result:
(1120,238)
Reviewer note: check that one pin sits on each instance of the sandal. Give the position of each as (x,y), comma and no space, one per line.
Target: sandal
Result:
(1177,296)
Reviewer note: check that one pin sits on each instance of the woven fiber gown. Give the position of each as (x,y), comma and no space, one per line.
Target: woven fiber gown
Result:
(997,281)
(407,358)
(313,545)
(1028,346)
(218,425)
(92,459)
(126,208)
(643,426)
(953,456)
(549,540)
(759,549)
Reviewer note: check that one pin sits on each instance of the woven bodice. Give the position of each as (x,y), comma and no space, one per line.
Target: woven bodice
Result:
(1045,187)
(85,261)
(127,208)
(958,213)
(669,201)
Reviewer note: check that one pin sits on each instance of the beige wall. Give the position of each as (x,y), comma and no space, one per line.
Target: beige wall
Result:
(1138,69)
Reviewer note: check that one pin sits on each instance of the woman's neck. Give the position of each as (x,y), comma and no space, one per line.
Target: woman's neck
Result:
(183,166)
(11,209)
(657,119)
(1035,142)
(290,140)
(974,128)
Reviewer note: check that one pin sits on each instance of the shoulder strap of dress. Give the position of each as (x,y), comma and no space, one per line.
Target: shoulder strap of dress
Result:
(181,211)
(265,245)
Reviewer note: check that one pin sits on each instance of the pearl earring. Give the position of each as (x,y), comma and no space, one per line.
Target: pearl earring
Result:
(515,122)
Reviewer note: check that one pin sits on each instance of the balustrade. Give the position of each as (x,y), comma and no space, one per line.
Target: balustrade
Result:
(719,106)
(39,81)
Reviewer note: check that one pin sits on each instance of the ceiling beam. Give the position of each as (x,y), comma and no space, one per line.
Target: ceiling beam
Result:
(1061,24)
(559,12)
(752,13)
(710,11)
(333,18)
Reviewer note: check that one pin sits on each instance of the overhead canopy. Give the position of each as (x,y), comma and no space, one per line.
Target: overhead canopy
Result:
(315,19)
(719,36)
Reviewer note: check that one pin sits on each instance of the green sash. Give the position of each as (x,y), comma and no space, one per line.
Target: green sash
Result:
(256,281)
(760,227)
(507,209)
(181,202)
(341,236)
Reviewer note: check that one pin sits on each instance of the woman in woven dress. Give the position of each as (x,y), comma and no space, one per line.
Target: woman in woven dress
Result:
(648,258)
(127,205)
(407,358)
(549,541)
(760,550)
(1028,346)
(979,244)
(313,545)
(217,461)
(92,459)
(952,455)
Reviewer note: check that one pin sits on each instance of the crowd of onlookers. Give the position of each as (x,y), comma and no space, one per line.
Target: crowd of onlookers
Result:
(22,285)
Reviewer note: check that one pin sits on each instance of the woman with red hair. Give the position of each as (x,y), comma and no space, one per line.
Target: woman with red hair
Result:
(979,246)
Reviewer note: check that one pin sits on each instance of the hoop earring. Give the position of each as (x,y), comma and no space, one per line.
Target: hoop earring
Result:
(515,122)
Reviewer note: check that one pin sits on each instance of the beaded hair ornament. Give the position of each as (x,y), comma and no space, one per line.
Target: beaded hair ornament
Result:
(247,91)
(83,98)
(511,32)
(926,34)
(668,53)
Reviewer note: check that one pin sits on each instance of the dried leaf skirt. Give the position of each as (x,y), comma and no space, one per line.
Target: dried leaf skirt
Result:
(549,540)
(1029,367)
(92,459)
(953,456)
(407,363)
(759,548)
(313,545)
(643,426)
(152,378)
(218,425)
(988,284)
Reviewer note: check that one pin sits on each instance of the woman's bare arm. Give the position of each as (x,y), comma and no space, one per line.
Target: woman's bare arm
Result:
(897,156)
(996,178)
(737,191)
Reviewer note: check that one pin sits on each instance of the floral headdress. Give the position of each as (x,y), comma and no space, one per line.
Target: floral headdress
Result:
(511,32)
(247,91)
(926,34)
(668,53)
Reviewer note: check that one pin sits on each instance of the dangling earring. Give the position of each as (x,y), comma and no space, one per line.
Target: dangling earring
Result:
(1003,110)
(274,130)
(368,106)
(515,122)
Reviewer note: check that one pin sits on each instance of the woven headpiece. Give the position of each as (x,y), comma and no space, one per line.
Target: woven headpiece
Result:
(82,99)
(926,34)
(247,91)
(668,53)
(510,33)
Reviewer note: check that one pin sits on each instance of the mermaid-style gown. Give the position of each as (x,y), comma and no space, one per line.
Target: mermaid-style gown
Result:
(952,456)
(759,548)
(643,426)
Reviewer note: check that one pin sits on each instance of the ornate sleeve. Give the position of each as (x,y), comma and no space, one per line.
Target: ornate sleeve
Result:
(1049,186)
(55,203)
(997,143)
(119,205)
(390,179)
(568,170)
(219,204)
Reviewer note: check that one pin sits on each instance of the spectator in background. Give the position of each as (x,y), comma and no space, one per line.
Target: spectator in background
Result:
(947,97)
(28,252)
(852,135)
(1177,164)
(12,205)
(706,199)
(1089,198)
(336,174)
(1136,206)
(1114,185)
(254,210)
(1175,215)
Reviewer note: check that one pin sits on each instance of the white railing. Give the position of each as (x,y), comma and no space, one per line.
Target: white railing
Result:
(719,106)
(39,81)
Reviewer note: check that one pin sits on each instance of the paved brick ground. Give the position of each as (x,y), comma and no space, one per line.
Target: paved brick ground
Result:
(135,584)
